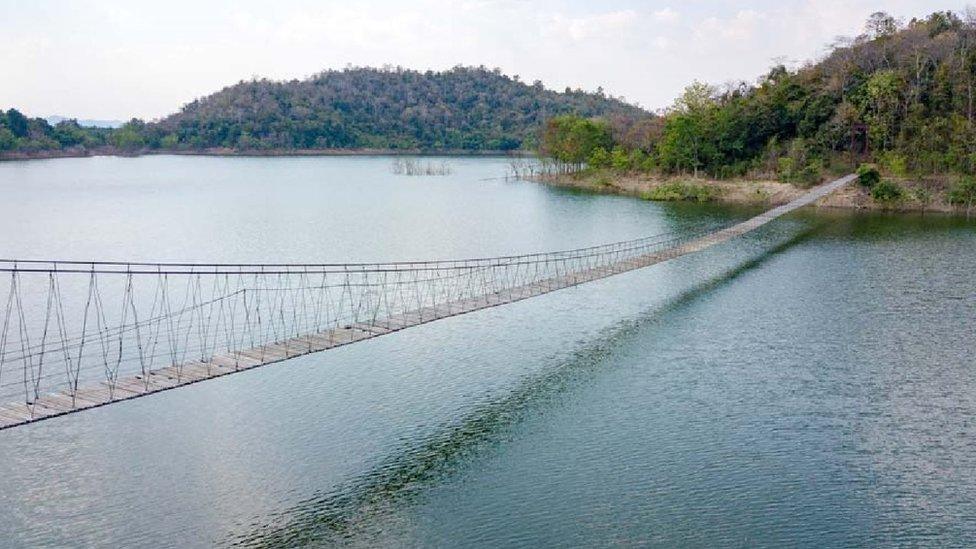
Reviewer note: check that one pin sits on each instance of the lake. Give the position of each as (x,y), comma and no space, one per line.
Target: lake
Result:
(810,384)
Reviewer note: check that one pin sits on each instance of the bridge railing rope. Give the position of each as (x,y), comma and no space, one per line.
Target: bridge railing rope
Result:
(80,334)
(69,324)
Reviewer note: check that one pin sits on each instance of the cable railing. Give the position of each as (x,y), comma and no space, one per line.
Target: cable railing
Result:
(76,334)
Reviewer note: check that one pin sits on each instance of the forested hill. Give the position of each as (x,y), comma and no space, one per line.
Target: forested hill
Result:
(902,94)
(464,108)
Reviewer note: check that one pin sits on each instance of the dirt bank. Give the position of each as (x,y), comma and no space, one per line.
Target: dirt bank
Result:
(920,196)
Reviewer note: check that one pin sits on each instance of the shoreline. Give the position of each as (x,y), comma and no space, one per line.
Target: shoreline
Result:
(756,192)
(13,156)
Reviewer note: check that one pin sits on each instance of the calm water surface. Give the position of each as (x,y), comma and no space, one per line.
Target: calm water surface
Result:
(811,384)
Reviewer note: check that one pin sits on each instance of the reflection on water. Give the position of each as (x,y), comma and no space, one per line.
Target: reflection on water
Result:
(362,508)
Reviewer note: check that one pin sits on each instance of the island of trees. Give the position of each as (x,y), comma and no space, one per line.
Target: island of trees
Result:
(901,95)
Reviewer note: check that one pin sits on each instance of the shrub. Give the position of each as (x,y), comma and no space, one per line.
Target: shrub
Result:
(806,173)
(599,159)
(676,190)
(887,191)
(922,195)
(868,175)
(638,160)
(963,192)
(619,159)
(810,175)
(896,164)
(785,167)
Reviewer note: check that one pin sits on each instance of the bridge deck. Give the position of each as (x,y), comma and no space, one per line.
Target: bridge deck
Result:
(174,376)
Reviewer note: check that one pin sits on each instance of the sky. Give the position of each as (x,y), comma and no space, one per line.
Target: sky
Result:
(110,59)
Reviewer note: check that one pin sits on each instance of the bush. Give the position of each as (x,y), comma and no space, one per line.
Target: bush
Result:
(810,175)
(639,161)
(868,175)
(599,159)
(887,191)
(922,195)
(619,159)
(803,174)
(963,192)
(896,164)
(785,167)
(675,191)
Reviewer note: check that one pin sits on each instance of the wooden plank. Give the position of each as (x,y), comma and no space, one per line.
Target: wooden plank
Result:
(95,394)
(119,392)
(14,414)
(371,328)
(225,362)
(52,407)
(62,400)
(196,371)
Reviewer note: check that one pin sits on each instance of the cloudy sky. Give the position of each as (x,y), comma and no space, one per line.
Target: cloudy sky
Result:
(119,59)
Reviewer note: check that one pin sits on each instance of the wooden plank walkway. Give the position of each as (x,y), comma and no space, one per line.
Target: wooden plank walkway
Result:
(172,377)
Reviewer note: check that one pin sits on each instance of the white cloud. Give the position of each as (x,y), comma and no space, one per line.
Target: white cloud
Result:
(594,26)
(662,43)
(666,15)
(741,27)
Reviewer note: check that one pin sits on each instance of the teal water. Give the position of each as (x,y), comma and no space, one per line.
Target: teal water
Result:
(811,384)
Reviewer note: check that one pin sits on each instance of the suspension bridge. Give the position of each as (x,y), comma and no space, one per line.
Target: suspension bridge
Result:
(79,335)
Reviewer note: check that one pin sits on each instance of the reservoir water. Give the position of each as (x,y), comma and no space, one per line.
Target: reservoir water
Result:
(811,384)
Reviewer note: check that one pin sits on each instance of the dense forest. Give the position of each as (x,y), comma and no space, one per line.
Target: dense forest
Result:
(466,108)
(900,95)
(20,133)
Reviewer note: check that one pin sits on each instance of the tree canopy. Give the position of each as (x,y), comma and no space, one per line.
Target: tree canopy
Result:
(460,109)
(902,94)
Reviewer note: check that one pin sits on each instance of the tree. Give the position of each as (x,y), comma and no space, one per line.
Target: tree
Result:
(881,25)
(684,143)
(696,98)
(964,193)
(7,139)
(129,137)
(573,140)
(883,89)
(17,123)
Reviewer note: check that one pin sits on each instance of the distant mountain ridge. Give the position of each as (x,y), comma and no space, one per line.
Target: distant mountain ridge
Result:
(56,119)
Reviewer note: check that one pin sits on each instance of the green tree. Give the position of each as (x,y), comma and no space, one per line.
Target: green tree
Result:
(884,91)
(8,140)
(685,144)
(17,123)
(963,193)
(600,158)
(573,140)
(130,136)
